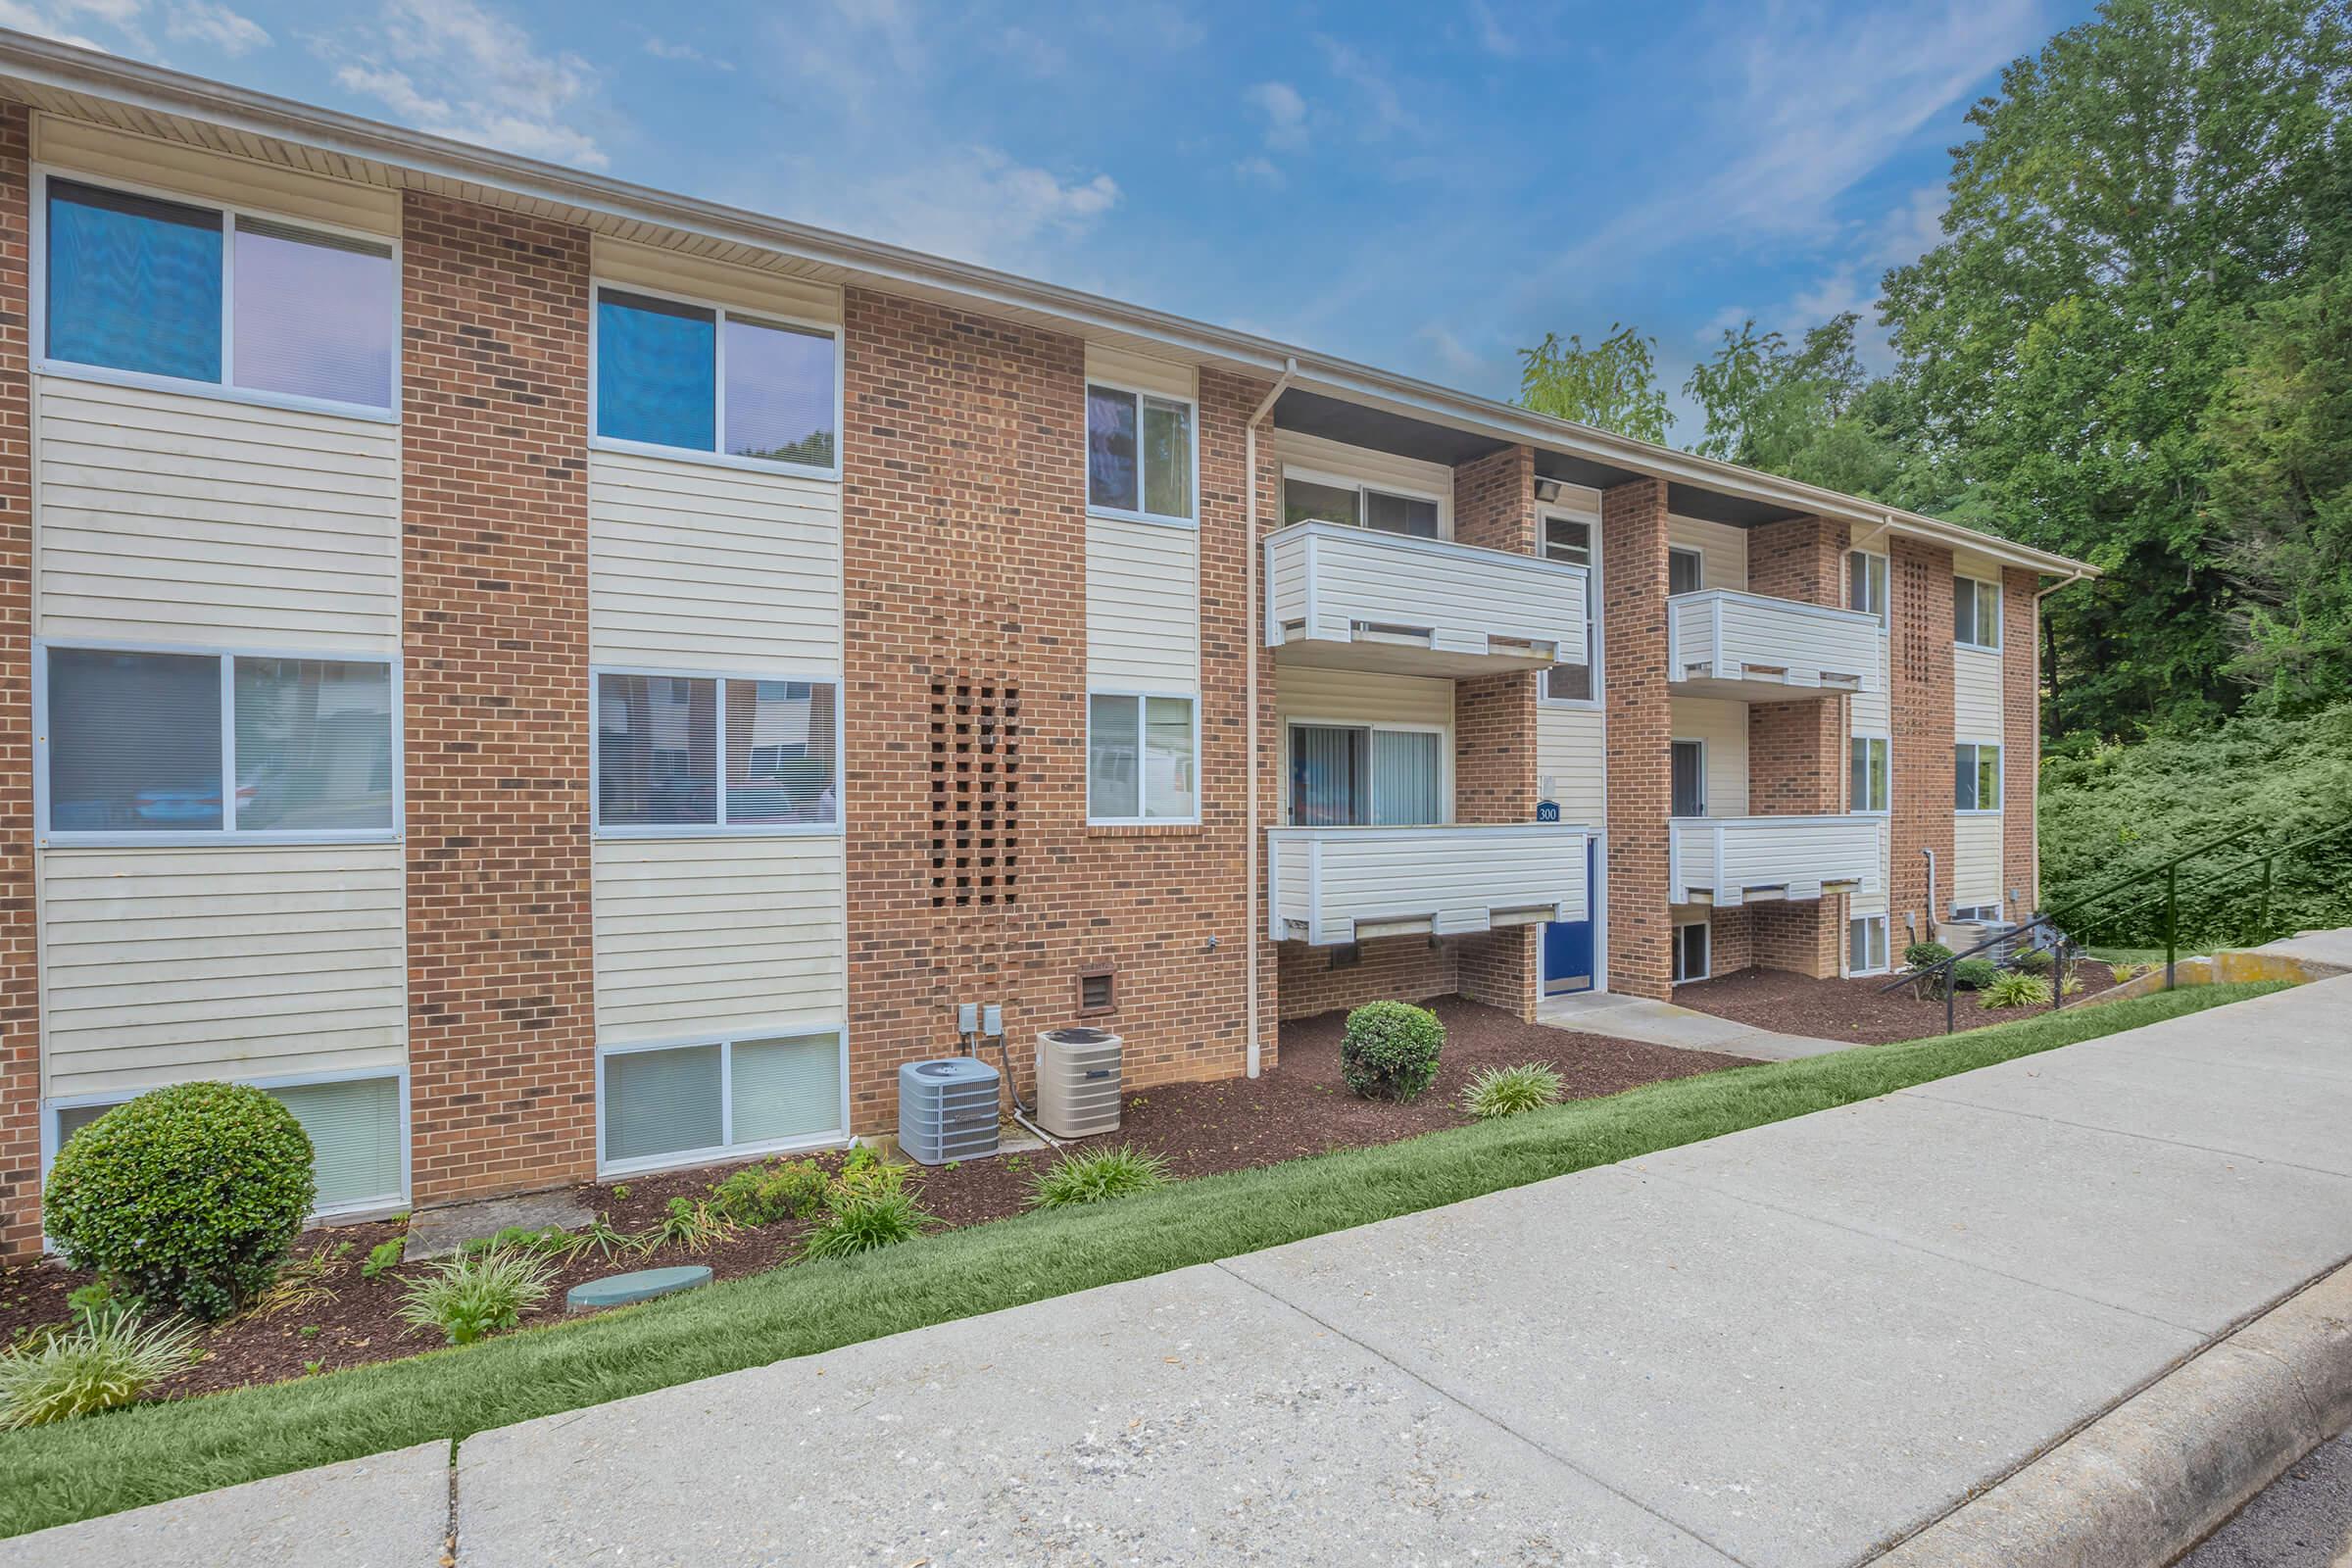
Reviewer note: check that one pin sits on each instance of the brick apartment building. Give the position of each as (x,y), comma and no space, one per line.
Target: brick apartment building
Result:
(552,678)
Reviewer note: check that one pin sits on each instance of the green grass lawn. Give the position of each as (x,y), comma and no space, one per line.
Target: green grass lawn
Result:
(2129,955)
(148,1453)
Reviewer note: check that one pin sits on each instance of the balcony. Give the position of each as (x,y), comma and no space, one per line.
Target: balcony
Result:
(1329,886)
(1731,860)
(1360,598)
(1752,648)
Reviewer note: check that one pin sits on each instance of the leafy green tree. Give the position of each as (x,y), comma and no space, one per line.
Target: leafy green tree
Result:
(1615,384)
(1810,413)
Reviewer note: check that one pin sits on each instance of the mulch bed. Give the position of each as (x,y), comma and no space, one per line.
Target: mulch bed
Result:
(1300,1107)
(1856,1010)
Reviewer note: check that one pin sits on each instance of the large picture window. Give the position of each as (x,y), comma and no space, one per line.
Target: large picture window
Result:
(672,1104)
(685,753)
(1570,539)
(1139,454)
(195,293)
(702,378)
(1975,612)
(145,745)
(1975,776)
(1142,758)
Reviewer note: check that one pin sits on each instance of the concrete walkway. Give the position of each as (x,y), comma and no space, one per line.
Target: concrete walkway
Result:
(1662,1023)
(1791,1345)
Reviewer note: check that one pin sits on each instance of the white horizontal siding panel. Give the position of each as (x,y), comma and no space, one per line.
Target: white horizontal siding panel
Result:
(1868,713)
(697,936)
(170,518)
(1723,551)
(1723,726)
(1789,856)
(1361,697)
(1380,470)
(162,965)
(1462,599)
(79,147)
(1975,860)
(1976,695)
(692,566)
(1570,752)
(1143,605)
(752,289)
(1716,634)
(1125,368)
(1450,880)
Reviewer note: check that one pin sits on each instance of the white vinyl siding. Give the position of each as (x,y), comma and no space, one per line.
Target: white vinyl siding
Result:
(1335,462)
(1571,754)
(171,519)
(1975,694)
(1723,727)
(1142,372)
(695,567)
(79,147)
(1871,898)
(1725,549)
(1975,860)
(753,289)
(162,965)
(693,934)
(1307,692)
(1143,607)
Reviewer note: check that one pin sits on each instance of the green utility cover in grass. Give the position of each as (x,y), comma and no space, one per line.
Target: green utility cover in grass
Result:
(642,1285)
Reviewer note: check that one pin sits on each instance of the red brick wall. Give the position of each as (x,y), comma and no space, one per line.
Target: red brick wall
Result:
(1796,752)
(1731,939)
(1633,553)
(965,539)
(494,501)
(2021,737)
(1392,968)
(1920,714)
(20,1007)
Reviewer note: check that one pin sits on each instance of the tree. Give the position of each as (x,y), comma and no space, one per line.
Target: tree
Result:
(1809,413)
(1613,384)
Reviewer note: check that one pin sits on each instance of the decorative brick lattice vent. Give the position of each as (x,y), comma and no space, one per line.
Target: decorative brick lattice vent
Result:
(976,793)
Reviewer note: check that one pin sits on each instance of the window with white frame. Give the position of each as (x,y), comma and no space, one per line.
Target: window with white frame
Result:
(1691,952)
(1866,943)
(1975,776)
(1140,460)
(355,1127)
(1977,912)
(691,377)
(217,297)
(1975,612)
(687,754)
(1866,583)
(1570,539)
(671,1105)
(1685,569)
(1142,758)
(139,744)
(1866,784)
(1305,498)
(1357,775)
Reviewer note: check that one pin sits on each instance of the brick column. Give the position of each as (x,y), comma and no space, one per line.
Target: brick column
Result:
(1919,709)
(1633,560)
(2020,740)
(1796,752)
(20,1007)
(493,500)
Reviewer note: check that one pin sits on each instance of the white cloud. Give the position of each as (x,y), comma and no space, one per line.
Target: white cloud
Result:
(1382,104)
(1285,111)
(64,19)
(1912,229)
(683,53)
(460,70)
(977,204)
(1457,357)
(1493,36)
(207,21)
(1260,169)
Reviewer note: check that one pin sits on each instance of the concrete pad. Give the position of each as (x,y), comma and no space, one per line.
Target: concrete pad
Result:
(390,1511)
(440,1232)
(2330,951)
(2197,1239)
(1177,1420)
(1790,1390)
(2305,1030)
(1662,1023)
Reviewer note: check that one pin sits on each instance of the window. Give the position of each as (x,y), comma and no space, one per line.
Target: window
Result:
(659,740)
(1686,571)
(1350,777)
(1139,454)
(1691,952)
(1975,612)
(1142,756)
(136,745)
(1094,991)
(1570,539)
(1976,911)
(356,1136)
(1866,583)
(702,378)
(1866,785)
(1975,776)
(1866,943)
(1688,783)
(1358,507)
(673,1105)
(196,293)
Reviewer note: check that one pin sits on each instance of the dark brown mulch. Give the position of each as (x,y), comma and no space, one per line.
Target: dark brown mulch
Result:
(1858,1011)
(1298,1107)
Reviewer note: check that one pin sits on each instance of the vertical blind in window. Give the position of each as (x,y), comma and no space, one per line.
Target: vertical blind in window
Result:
(133,282)
(1348,776)
(316,315)
(1405,779)
(1327,765)
(1690,779)
(663,1103)
(355,1138)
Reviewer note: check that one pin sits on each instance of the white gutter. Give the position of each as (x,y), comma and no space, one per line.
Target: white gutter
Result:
(1255,647)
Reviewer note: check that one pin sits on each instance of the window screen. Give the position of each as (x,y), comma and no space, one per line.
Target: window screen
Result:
(1167,459)
(780,753)
(1405,515)
(656,371)
(133,283)
(779,392)
(1866,786)
(355,1138)
(1113,753)
(657,751)
(1307,500)
(135,742)
(785,1088)
(1685,570)
(663,1103)
(316,315)
(314,745)
(1171,775)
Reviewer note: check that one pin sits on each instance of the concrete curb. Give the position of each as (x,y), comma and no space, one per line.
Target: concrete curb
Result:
(2154,1476)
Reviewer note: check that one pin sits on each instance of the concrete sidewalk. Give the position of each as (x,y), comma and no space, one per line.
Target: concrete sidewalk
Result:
(1791,1345)
(1662,1023)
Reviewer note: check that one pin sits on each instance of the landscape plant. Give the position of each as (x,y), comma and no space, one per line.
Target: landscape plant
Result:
(187,1196)
(1974,975)
(773,1190)
(1098,1175)
(383,1257)
(1919,959)
(104,1360)
(1388,1050)
(1511,1090)
(2011,989)
(694,1224)
(474,1295)
(868,1207)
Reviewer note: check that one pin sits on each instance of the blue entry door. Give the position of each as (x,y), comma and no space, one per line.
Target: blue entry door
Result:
(1568,944)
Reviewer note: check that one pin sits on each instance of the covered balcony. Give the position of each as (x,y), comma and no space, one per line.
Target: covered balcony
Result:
(1364,598)
(1731,860)
(1329,886)
(1757,649)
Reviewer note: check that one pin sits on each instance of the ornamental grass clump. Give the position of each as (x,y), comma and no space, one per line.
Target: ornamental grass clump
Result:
(475,1295)
(1511,1090)
(1388,1050)
(107,1360)
(187,1198)
(2010,989)
(867,1208)
(1093,1178)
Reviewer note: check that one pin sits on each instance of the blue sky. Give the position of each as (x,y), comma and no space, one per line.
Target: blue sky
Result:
(1426,187)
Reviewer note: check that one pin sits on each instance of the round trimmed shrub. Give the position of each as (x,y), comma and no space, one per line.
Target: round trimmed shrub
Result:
(1388,1050)
(1974,975)
(187,1196)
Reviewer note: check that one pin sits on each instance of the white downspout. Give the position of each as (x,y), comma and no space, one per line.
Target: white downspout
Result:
(1253,649)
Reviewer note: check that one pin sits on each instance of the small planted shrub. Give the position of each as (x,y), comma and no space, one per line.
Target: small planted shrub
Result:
(773,1190)
(1388,1050)
(1509,1091)
(383,1257)
(2010,989)
(1091,1178)
(106,1360)
(1975,974)
(872,1208)
(475,1295)
(2124,970)
(1920,957)
(2072,984)
(2036,960)
(187,1196)
(695,1226)
(598,1236)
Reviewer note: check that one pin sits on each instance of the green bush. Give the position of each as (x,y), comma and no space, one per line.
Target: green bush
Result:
(2010,989)
(1388,1050)
(868,1207)
(1510,1090)
(189,1197)
(1919,959)
(1092,1177)
(2036,960)
(383,1257)
(475,1295)
(1975,974)
(773,1190)
(106,1360)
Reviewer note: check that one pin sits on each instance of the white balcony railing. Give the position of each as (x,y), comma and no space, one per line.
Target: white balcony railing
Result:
(1731,860)
(1334,885)
(1757,648)
(1364,598)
